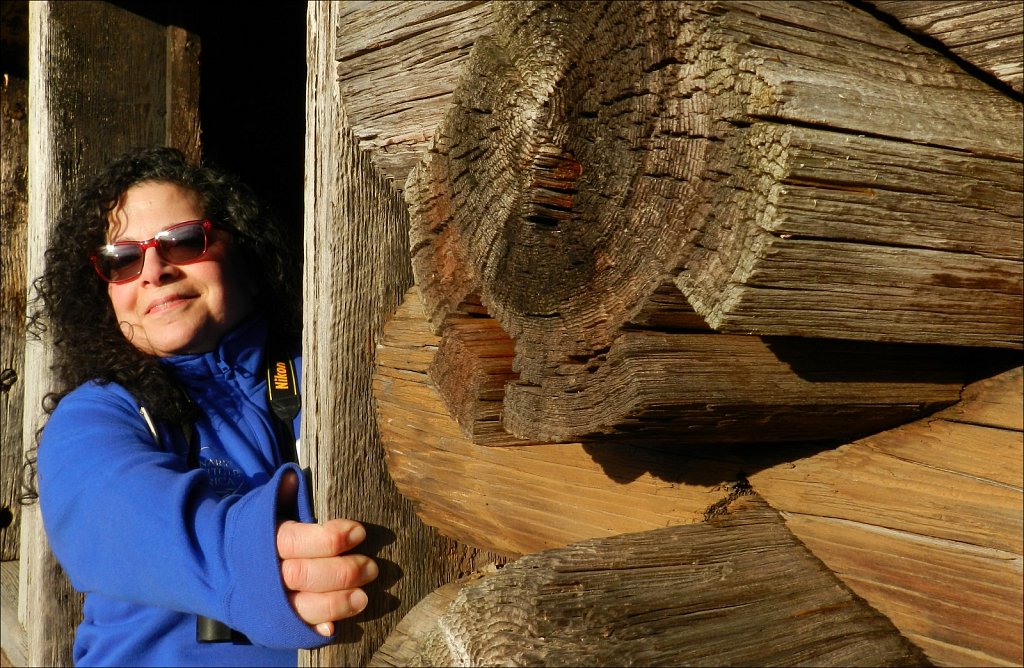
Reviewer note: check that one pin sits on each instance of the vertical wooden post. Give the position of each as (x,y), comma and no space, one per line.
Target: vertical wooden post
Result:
(13,220)
(357,268)
(98,85)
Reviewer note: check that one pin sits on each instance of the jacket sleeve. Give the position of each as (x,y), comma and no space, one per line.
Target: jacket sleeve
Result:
(131,521)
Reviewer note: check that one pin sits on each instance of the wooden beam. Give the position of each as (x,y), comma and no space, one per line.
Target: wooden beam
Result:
(989,34)
(13,633)
(98,87)
(925,522)
(518,499)
(356,269)
(14,228)
(398,63)
(684,388)
(182,120)
(737,590)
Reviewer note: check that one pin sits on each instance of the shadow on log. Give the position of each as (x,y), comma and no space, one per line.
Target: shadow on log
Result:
(739,590)
(518,499)
(988,34)
(686,387)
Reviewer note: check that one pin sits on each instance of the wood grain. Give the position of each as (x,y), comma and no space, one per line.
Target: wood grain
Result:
(14,227)
(356,269)
(98,87)
(868,234)
(183,88)
(14,649)
(398,63)
(989,34)
(737,590)
(686,388)
(925,521)
(473,364)
(991,402)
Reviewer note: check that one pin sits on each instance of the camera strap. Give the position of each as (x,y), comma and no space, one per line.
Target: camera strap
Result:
(285,403)
(284,398)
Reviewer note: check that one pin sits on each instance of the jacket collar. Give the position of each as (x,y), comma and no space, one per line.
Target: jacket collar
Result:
(240,351)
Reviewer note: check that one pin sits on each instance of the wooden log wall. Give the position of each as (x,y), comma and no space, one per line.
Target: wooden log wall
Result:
(923,521)
(102,81)
(797,195)
(356,270)
(571,183)
(664,597)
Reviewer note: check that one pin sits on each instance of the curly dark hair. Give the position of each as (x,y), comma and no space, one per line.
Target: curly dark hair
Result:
(72,304)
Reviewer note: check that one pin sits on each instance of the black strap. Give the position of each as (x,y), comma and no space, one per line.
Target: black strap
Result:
(284,398)
(282,387)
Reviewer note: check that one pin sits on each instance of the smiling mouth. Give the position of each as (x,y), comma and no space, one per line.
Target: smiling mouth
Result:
(166,304)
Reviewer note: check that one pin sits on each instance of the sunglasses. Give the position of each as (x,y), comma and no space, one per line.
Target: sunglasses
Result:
(179,244)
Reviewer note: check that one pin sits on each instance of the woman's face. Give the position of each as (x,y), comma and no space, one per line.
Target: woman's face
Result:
(176,309)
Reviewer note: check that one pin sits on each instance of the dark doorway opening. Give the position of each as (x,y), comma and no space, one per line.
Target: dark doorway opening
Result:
(252,91)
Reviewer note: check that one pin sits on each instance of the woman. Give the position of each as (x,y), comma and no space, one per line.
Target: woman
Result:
(163,473)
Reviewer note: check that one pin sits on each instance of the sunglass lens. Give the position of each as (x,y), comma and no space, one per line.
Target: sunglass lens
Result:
(183,243)
(119,262)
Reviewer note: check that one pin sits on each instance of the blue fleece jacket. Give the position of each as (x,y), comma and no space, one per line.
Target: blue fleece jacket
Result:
(153,542)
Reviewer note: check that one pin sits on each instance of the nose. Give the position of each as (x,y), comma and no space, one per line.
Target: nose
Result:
(155,269)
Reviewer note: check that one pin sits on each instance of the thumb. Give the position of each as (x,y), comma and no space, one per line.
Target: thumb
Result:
(287,490)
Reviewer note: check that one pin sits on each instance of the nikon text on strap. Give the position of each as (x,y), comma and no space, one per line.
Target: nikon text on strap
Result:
(284,399)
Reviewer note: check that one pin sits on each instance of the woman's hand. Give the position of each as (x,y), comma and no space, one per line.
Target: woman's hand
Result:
(323,583)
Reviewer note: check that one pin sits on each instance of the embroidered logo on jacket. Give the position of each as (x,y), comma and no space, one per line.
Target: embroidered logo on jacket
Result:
(225,476)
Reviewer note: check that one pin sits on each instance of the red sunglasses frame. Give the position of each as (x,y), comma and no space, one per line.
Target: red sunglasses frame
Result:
(155,243)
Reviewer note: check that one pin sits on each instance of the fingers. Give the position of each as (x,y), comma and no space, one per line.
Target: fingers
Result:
(296,540)
(317,609)
(328,573)
(323,582)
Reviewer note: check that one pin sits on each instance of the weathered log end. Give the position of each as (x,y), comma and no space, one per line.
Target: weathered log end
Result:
(785,159)
(474,361)
(737,590)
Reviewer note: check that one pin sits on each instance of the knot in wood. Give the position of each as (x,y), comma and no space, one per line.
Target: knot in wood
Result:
(8,377)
